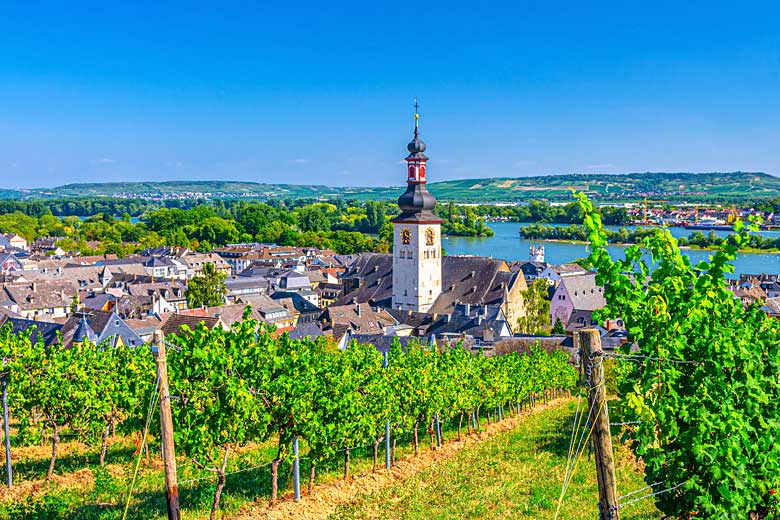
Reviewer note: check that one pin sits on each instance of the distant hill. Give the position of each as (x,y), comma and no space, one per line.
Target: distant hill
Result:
(207,188)
(693,187)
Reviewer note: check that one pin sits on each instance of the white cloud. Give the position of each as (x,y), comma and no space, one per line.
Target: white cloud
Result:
(301,161)
(174,164)
(105,160)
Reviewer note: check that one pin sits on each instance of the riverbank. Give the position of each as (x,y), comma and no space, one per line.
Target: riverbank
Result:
(507,244)
(750,250)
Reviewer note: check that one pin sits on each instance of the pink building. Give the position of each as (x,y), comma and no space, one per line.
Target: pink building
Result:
(575,299)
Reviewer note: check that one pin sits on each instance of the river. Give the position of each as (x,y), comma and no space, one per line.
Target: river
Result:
(507,244)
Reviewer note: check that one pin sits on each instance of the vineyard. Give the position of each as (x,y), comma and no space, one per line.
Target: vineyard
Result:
(698,404)
(699,389)
(242,399)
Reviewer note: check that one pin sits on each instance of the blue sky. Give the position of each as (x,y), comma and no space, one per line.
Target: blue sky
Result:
(313,92)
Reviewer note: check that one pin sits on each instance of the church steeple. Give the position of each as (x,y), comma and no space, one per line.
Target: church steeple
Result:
(416,203)
(416,235)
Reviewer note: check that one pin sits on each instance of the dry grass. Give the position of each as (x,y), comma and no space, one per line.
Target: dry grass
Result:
(329,497)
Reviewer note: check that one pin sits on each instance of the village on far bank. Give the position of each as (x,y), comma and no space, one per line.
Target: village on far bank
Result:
(415,291)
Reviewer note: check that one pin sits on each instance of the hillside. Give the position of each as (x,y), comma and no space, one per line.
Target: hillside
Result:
(205,188)
(691,187)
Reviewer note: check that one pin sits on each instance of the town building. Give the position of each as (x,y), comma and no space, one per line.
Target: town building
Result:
(574,301)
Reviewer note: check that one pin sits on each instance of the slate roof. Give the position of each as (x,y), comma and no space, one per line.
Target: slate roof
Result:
(358,317)
(380,342)
(106,325)
(97,301)
(145,326)
(41,330)
(568,269)
(306,330)
(84,332)
(528,267)
(473,280)
(171,291)
(465,279)
(584,293)
(229,314)
(41,295)
(374,274)
(175,322)
(580,320)
(260,283)
(772,306)
(300,303)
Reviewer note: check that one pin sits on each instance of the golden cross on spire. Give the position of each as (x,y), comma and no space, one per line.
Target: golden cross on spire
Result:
(416,114)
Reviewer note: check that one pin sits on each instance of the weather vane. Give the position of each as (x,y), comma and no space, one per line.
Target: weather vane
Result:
(416,114)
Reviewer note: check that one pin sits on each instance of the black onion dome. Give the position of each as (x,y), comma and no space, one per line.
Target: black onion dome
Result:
(416,146)
(416,198)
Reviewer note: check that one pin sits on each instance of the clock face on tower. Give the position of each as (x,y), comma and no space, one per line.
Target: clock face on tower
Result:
(406,236)
(430,236)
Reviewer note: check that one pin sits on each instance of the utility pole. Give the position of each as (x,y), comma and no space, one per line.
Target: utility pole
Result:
(166,433)
(592,357)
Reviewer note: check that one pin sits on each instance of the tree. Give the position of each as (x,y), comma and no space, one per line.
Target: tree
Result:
(375,216)
(558,328)
(537,308)
(313,218)
(208,289)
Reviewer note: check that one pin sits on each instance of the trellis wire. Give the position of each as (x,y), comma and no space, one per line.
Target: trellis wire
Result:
(637,357)
(627,423)
(640,490)
(267,464)
(649,495)
(207,477)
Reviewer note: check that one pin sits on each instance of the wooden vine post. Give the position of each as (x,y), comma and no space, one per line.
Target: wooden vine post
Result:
(166,433)
(592,357)
(6,433)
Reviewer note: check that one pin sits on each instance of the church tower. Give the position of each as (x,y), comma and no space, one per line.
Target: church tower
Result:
(416,236)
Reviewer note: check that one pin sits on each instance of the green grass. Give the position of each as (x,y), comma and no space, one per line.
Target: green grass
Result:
(516,474)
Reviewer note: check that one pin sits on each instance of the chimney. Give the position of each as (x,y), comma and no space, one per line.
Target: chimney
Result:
(34,287)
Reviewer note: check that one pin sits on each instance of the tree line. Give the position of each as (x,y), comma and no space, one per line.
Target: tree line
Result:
(639,235)
(344,226)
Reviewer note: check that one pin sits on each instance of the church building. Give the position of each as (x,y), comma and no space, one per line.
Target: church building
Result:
(421,287)
(416,237)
